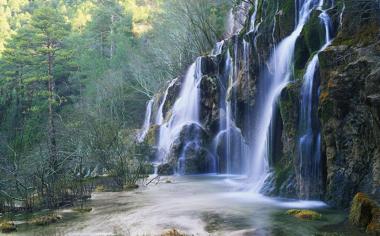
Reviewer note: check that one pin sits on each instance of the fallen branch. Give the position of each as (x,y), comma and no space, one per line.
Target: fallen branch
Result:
(158,180)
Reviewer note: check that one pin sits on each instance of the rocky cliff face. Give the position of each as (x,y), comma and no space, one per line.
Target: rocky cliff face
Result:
(350,106)
(347,102)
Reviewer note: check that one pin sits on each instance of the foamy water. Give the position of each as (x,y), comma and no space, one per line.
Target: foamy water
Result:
(196,205)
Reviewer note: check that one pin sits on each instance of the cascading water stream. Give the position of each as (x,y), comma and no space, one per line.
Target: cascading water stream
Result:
(160,114)
(253,26)
(274,81)
(185,110)
(145,128)
(310,138)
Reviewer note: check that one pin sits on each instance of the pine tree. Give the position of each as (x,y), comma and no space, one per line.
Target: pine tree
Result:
(33,64)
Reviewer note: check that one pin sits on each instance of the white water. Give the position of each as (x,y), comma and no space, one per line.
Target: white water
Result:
(185,110)
(279,74)
(310,138)
(194,205)
(146,125)
(253,27)
(160,113)
(218,48)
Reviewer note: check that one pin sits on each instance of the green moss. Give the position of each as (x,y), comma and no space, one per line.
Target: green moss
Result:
(367,34)
(361,210)
(282,173)
(131,187)
(172,232)
(7,227)
(286,19)
(45,220)
(100,188)
(304,214)
(374,226)
(314,33)
(151,136)
(301,53)
(289,103)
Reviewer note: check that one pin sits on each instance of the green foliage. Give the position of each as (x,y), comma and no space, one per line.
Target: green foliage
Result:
(74,79)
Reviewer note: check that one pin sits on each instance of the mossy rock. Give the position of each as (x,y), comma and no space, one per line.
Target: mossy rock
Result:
(361,211)
(45,220)
(374,226)
(151,136)
(130,187)
(100,188)
(83,210)
(304,214)
(8,227)
(165,169)
(173,232)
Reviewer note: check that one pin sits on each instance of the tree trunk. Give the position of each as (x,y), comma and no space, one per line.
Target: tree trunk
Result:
(52,143)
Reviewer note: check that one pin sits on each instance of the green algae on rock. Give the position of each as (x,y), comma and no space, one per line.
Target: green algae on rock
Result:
(304,214)
(45,220)
(365,213)
(7,227)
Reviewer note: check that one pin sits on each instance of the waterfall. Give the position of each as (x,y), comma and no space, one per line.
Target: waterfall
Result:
(276,78)
(310,169)
(253,27)
(145,128)
(184,111)
(160,113)
(217,50)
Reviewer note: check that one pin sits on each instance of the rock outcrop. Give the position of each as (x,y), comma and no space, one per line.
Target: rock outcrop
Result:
(347,106)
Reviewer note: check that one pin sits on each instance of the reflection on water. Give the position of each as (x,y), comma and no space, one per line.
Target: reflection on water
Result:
(198,205)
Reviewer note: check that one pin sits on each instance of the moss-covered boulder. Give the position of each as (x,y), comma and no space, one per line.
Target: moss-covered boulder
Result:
(362,210)
(152,135)
(172,232)
(45,220)
(7,227)
(189,152)
(209,112)
(348,111)
(304,214)
(172,95)
(374,226)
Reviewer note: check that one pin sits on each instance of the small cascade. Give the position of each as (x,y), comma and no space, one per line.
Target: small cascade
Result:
(229,144)
(309,148)
(185,111)
(160,114)
(146,125)
(276,78)
(218,48)
(253,26)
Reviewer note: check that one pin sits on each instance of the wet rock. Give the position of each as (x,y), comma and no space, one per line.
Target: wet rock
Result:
(189,153)
(45,220)
(173,232)
(362,210)
(152,135)
(173,93)
(165,169)
(348,110)
(8,227)
(304,214)
(374,226)
(100,188)
(209,112)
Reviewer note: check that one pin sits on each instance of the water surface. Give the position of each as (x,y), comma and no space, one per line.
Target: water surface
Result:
(196,205)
